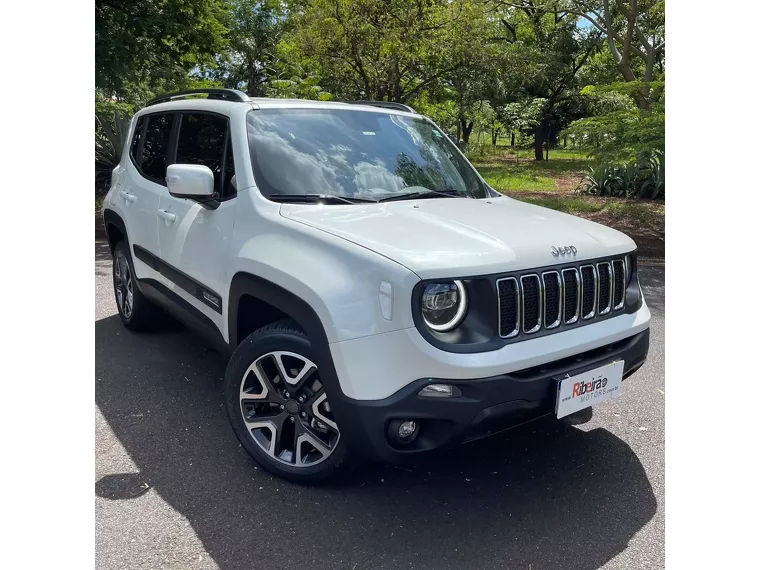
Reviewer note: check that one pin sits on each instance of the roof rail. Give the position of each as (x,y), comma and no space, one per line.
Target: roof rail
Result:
(385,104)
(224,94)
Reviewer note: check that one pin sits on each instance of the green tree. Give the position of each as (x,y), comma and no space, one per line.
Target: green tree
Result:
(618,131)
(635,37)
(546,51)
(143,46)
(387,50)
(250,61)
(522,117)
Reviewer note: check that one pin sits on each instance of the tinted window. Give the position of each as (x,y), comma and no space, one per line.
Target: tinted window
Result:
(201,141)
(155,147)
(134,149)
(354,153)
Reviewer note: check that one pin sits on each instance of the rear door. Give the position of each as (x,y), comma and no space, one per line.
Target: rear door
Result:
(142,189)
(194,238)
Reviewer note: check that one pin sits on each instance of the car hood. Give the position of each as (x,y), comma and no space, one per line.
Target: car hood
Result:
(460,237)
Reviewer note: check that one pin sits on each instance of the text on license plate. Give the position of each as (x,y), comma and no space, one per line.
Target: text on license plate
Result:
(589,388)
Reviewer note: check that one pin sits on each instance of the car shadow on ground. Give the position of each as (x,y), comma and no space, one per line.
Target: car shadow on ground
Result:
(547,495)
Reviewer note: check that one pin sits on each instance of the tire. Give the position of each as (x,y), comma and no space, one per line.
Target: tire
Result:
(135,310)
(279,409)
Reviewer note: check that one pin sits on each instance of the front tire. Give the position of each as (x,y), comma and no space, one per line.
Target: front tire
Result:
(279,408)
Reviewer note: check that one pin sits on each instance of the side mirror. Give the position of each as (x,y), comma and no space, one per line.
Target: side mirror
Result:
(193,181)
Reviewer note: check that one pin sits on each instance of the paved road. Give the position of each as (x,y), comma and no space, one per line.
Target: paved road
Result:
(175,490)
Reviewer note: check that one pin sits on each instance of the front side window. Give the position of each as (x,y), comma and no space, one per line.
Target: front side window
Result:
(202,140)
(354,154)
(156,146)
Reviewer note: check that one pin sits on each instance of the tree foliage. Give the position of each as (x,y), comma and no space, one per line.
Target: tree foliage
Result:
(385,50)
(143,46)
(531,70)
(635,37)
(619,131)
(250,61)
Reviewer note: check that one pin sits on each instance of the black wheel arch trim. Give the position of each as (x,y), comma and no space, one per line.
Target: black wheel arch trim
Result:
(343,407)
(111,218)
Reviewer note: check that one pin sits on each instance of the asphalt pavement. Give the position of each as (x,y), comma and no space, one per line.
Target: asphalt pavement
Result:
(174,489)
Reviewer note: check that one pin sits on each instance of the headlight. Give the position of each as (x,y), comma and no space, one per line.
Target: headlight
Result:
(444,305)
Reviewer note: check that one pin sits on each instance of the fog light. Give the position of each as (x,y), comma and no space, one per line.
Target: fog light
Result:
(440,391)
(407,429)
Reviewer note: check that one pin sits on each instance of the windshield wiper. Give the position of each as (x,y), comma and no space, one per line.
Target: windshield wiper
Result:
(426,193)
(319,198)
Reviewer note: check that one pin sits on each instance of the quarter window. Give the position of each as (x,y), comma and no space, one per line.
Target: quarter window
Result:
(134,149)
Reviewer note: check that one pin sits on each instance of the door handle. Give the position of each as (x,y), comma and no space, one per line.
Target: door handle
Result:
(127,196)
(167,215)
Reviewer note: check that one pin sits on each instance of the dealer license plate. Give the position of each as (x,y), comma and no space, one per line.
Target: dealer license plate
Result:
(589,388)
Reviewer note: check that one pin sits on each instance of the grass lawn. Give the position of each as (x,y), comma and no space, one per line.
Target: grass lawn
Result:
(554,184)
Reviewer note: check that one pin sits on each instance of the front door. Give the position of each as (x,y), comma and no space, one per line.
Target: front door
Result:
(193,238)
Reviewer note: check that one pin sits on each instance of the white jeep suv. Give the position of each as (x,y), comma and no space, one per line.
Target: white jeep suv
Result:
(376,297)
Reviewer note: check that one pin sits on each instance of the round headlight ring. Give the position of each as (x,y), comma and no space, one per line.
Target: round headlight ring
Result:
(458,316)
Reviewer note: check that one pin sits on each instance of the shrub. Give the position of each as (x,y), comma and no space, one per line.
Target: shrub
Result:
(642,178)
(110,134)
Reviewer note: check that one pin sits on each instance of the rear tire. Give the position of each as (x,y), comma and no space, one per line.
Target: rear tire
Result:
(279,408)
(136,311)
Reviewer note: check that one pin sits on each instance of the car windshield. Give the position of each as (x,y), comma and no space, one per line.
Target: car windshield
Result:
(355,154)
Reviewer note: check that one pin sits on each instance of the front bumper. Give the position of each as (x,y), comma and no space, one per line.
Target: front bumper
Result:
(486,406)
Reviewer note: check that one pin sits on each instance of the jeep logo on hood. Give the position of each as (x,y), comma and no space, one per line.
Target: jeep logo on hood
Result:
(564,250)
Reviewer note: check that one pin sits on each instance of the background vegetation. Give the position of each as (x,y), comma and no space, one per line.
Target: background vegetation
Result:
(561,102)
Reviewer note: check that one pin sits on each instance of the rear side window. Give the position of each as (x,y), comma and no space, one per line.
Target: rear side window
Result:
(202,140)
(155,147)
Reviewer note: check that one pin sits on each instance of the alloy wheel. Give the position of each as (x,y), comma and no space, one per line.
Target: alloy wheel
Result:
(285,409)
(124,285)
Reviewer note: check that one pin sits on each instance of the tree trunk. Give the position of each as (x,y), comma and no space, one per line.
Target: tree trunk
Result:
(253,87)
(512,143)
(538,145)
(466,129)
(494,136)
(564,141)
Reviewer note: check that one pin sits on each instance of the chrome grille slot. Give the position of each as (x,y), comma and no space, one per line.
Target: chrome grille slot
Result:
(552,299)
(605,287)
(618,284)
(530,286)
(588,291)
(572,286)
(509,307)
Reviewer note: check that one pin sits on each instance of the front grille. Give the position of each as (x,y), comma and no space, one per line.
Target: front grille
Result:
(588,291)
(531,303)
(572,295)
(604,271)
(552,299)
(557,298)
(618,284)
(509,307)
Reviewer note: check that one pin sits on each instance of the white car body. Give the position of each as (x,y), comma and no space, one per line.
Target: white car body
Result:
(356,265)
